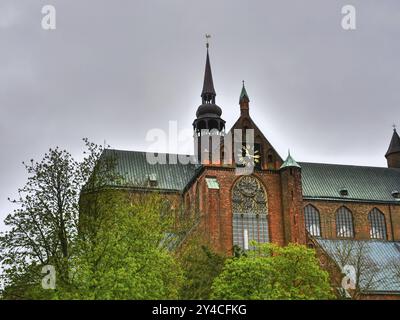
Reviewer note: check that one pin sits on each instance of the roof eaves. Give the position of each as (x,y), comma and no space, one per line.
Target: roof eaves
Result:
(136,188)
(322,198)
(197,173)
(365,292)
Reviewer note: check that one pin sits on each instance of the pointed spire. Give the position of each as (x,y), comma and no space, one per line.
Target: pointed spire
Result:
(289,162)
(244,97)
(208,109)
(208,94)
(244,101)
(394,146)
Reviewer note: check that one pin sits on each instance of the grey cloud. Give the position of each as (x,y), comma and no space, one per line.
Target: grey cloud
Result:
(115,69)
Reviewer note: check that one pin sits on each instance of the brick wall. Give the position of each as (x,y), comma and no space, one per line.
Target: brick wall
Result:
(360,212)
(215,206)
(292,205)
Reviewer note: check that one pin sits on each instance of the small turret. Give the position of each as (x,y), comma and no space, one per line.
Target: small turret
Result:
(244,101)
(290,162)
(393,153)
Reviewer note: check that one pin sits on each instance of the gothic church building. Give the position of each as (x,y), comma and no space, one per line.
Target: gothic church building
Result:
(325,206)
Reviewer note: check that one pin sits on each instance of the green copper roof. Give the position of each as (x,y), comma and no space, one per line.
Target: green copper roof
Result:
(244,94)
(137,172)
(371,184)
(319,181)
(290,162)
(379,260)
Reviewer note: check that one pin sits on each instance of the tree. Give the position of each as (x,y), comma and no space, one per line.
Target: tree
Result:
(273,272)
(44,227)
(102,242)
(200,265)
(42,230)
(125,258)
(355,255)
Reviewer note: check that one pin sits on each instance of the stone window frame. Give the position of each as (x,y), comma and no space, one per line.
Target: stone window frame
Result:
(344,223)
(249,211)
(312,217)
(377,222)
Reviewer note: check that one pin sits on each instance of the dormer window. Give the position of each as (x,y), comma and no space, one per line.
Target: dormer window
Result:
(153,180)
(396,194)
(344,192)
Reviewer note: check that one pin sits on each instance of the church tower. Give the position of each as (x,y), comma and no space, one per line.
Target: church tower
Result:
(208,126)
(393,153)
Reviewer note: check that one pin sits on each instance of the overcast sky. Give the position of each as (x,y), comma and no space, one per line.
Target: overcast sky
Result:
(113,70)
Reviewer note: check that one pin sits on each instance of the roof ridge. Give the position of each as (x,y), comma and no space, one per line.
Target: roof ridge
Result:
(346,165)
(138,151)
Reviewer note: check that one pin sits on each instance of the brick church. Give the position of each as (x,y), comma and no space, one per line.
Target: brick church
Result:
(336,209)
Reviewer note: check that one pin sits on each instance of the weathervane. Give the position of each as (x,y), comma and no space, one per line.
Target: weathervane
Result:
(208,36)
(394,126)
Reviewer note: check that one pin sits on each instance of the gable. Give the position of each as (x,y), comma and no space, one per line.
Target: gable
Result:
(270,157)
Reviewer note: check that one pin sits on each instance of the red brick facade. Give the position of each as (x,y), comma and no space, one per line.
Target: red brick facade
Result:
(360,212)
(282,187)
(285,219)
(285,204)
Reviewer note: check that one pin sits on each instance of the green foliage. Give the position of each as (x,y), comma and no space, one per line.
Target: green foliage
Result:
(26,285)
(273,272)
(123,259)
(109,244)
(43,228)
(103,243)
(200,265)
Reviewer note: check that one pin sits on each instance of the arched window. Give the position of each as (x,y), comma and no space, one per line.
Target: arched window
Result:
(377,224)
(165,207)
(312,221)
(344,223)
(249,211)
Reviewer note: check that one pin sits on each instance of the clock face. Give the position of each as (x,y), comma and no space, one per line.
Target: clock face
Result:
(248,156)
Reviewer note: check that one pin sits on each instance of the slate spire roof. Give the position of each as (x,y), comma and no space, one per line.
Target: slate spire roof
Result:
(243,95)
(394,143)
(208,110)
(208,94)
